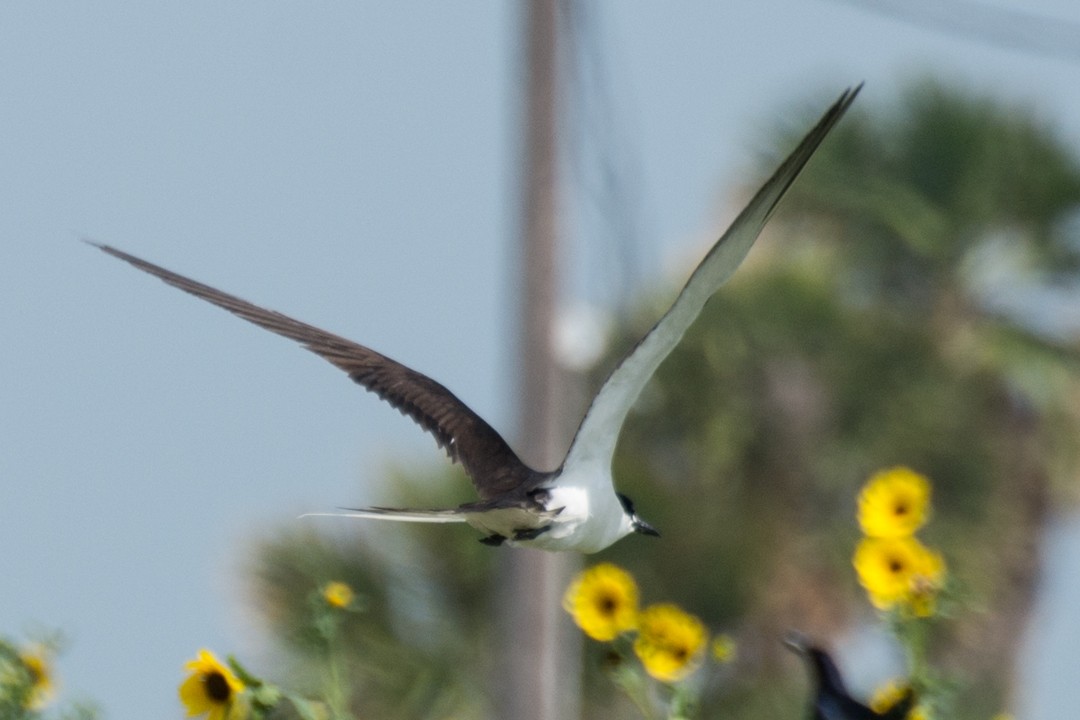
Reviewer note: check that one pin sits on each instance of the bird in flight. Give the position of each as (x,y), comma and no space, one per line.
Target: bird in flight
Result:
(574,507)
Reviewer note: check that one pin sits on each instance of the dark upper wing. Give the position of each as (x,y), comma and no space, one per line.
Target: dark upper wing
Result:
(488,460)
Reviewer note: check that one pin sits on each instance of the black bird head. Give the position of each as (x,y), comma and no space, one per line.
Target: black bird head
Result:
(639,525)
(831,699)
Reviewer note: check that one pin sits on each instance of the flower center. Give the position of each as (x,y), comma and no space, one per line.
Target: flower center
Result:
(37,676)
(217,687)
(896,565)
(607,604)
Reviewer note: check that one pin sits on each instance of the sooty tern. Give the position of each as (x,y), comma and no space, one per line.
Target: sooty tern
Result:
(574,507)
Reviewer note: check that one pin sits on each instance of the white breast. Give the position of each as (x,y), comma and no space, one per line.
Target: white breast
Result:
(588,522)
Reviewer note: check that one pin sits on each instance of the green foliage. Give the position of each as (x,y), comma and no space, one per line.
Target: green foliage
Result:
(28,686)
(861,341)
(910,192)
(417,648)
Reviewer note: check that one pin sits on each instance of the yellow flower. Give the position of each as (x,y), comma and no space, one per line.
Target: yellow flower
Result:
(338,594)
(36,660)
(894,503)
(603,601)
(921,600)
(899,570)
(888,695)
(211,689)
(724,648)
(670,642)
(919,712)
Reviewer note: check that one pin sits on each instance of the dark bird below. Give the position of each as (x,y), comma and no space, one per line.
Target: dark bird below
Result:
(575,506)
(831,700)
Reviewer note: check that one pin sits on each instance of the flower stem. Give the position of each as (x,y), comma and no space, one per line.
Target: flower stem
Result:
(637,690)
(335,690)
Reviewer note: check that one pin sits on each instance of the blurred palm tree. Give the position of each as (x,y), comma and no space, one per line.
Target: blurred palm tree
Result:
(883,321)
(887,321)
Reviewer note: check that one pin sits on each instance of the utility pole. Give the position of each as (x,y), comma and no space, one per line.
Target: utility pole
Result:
(538,673)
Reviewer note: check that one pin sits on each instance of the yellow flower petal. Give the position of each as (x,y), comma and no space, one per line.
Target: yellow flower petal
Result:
(338,594)
(670,642)
(723,648)
(888,695)
(603,600)
(211,689)
(37,662)
(919,712)
(894,503)
(899,570)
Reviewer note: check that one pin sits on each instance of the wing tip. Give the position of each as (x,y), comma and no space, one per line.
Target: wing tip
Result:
(103,247)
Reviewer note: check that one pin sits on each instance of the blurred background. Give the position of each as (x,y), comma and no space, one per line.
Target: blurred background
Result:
(360,166)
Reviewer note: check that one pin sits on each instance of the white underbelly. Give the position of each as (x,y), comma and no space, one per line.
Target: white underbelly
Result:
(578,526)
(506,522)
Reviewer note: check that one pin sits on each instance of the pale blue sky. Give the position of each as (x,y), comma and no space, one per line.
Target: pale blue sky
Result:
(354,165)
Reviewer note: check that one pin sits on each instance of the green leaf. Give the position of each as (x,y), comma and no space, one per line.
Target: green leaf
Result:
(308,709)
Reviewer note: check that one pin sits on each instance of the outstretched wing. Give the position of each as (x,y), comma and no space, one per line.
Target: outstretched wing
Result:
(595,440)
(490,463)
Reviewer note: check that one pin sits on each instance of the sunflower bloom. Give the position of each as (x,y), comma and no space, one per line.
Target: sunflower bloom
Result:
(886,697)
(723,648)
(603,600)
(338,595)
(211,689)
(894,503)
(899,570)
(670,642)
(36,660)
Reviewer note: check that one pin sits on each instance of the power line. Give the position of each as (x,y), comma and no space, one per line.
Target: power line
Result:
(605,163)
(1004,27)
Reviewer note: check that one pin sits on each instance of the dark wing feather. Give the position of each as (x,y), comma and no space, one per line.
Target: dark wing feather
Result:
(490,463)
